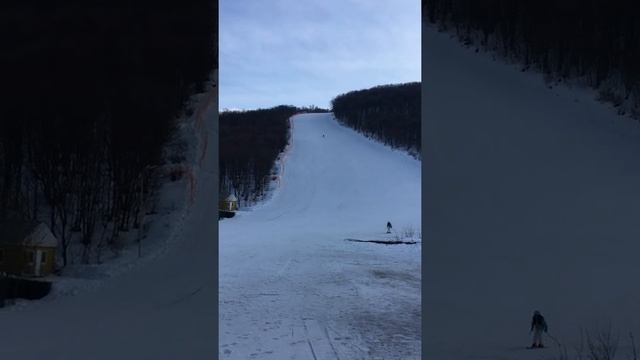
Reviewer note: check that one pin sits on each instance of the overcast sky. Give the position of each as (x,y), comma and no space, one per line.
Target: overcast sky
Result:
(305,52)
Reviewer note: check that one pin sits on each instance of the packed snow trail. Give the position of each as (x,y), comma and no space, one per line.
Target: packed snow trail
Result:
(162,309)
(291,287)
(532,203)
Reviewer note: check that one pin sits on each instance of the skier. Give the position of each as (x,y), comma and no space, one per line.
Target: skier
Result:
(389,227)
(538,325)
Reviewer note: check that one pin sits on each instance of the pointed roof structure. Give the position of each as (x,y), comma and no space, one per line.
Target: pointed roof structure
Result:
(22,232)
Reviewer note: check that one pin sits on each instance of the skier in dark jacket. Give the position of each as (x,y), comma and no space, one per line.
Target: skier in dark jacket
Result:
(389,227)
(538,325)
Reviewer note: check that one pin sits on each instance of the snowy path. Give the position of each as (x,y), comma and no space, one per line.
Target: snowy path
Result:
(163,309)
(291,287)
(533,203)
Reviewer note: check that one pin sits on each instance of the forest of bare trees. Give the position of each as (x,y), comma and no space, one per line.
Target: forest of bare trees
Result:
(91,93)
(594,43)
(388,113)
(250,143)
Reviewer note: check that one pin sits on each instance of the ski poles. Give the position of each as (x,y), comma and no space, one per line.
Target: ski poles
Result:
(554,340)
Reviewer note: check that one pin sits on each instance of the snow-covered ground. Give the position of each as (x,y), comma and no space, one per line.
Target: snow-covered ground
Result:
(532,202)
(164,307)
(292,287)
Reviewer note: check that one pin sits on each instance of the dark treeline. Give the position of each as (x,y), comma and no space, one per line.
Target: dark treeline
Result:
(90,95)
(389,113)
(250,143)
(596,43)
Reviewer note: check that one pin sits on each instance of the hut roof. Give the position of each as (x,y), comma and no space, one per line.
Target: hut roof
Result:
(231,198)
(26,232)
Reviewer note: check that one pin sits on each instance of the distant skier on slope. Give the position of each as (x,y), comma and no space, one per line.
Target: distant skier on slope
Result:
(389,227)
(538,325)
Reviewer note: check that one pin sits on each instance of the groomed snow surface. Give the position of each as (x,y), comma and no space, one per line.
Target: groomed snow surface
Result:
(292,287)
(533,203)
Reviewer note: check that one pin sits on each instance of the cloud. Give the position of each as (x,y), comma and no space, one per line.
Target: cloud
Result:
(307,52)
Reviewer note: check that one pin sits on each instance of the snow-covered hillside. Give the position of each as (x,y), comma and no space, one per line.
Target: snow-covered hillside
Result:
(533,203)
(163,308)
(292,287)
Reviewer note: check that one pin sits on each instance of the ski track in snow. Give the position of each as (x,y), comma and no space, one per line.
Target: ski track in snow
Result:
(533,203)
(291,287)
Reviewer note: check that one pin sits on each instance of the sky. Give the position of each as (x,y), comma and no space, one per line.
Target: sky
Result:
(306,52)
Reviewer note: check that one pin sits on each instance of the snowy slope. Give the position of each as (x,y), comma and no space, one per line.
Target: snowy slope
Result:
(533,203)
(291,287)
(162,309)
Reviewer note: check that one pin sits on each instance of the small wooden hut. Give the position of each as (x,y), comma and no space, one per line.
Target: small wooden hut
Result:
(230,203)
(27,248)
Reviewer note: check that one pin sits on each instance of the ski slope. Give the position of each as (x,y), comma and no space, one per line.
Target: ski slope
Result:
(532,202)
(164,308)
(292,287)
